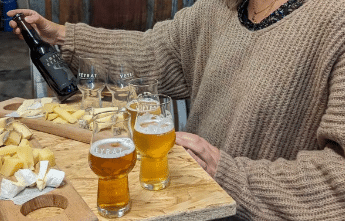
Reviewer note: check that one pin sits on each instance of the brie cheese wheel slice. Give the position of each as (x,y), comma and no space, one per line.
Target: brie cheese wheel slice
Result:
(26,177)
(10,189)
(54,178)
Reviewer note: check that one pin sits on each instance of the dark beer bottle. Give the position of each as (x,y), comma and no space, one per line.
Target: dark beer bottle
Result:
(47,59)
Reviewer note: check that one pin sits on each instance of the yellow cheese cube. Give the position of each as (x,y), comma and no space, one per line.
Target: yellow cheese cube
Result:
(25,153)
(8,150)
(35,153)
(22,129)
(13,138)
(10,166)
(0,162)
(2,130)
(47,154)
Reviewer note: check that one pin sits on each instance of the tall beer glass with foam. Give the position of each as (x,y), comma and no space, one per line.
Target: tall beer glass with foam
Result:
(112,156)
(154,136)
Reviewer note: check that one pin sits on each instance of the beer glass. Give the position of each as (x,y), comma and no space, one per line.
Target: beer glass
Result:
(119,74)
(91,81)
(139,86)
(154,136)
(112,156)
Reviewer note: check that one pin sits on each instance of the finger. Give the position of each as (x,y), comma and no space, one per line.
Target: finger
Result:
(26,12)
(198,160)
(13,24)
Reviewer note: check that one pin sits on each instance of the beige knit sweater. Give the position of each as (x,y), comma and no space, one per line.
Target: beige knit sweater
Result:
(273,100)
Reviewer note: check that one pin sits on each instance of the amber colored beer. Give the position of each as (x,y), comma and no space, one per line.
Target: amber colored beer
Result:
(112,159)
(154,148)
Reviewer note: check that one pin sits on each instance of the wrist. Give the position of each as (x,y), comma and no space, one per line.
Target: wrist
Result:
(61,34)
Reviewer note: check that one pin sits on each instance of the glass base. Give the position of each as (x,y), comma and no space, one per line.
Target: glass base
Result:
(112,212)
(156,185)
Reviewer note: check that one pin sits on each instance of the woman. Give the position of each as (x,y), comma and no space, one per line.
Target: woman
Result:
(267,84)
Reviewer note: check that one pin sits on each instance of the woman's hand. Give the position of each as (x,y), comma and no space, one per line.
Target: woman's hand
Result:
(202,151)
(49,31)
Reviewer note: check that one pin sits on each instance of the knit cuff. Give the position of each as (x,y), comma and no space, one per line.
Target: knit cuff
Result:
(226,167)
(67,49)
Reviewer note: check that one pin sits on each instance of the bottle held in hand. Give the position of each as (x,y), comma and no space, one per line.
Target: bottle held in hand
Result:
(48,61)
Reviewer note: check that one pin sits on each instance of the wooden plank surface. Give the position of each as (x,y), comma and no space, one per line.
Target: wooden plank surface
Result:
(192,194)
(66,198)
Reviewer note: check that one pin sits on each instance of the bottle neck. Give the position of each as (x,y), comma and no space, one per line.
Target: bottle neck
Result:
(30,35)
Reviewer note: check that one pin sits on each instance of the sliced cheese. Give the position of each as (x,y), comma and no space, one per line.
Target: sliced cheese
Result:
(47,154)
(51,117)
(2,130)
(10,166)
(59,120)
(22,129)
(10,189)
(25,177)
(65,115)
(49,107)
(46,100)
(78,114)
(14,138)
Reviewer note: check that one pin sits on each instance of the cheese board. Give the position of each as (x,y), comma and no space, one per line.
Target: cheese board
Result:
(65,197)
(63,130)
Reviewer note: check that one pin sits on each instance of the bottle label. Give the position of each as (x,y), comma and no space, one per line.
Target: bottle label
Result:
(58,69)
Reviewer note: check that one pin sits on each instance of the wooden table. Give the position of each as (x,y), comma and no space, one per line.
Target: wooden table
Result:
(192,194)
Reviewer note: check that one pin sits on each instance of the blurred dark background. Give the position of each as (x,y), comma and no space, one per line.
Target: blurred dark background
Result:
(16,77)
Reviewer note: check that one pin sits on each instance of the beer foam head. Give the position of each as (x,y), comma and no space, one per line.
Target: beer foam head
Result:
(154,124)
(112,147)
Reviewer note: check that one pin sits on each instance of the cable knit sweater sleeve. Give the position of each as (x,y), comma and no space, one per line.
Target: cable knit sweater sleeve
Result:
(308,188)
(154,53)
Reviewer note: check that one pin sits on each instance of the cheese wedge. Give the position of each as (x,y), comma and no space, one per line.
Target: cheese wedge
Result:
(47,154)
(78,114)
(22,129)
(14,138)
(10,166)
(51,116)
(59,120)
(103,109)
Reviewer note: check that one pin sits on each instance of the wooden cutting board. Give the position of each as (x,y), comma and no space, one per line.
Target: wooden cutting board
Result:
(65,197)
(62,130)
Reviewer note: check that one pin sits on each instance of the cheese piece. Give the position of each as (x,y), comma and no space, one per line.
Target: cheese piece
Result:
(47,154)
(78,114)
(25,177)
(87,118)
(25,106)
(51,117)
(54,178)
(2,130)
(10,189)
(25,142)
(49,107)
(41,184)
(10,166)
(35,153)
(3,137)
(0,162)
(46,100)
(4,121)
(59,120)
(65,115)
(8,150)
(22,129)
(13,138)
(25,153)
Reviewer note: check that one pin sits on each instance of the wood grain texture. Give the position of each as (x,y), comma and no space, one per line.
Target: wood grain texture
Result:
(192,194)
(70,11)
(162,10)
(65,197)
(48,7)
